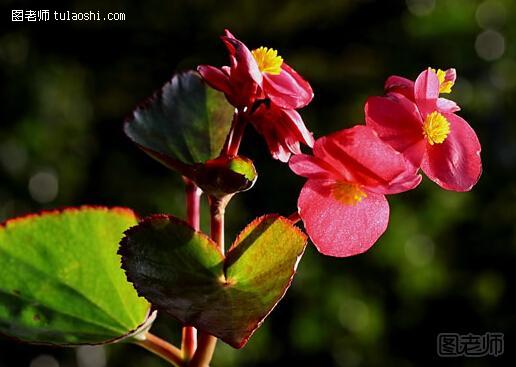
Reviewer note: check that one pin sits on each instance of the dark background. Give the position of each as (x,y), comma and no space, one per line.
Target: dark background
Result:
(442,266)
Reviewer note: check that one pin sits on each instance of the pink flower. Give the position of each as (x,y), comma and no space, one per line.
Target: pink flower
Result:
(342,204)
(283,130)
(415,121)
(257,74)
(266,92)
(401,85)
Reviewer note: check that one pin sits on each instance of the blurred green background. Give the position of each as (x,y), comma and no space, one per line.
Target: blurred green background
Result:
(442,266)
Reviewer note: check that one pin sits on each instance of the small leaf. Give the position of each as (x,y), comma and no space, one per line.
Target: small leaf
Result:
(183,272)
(185,123)
(60,278)
(226,175)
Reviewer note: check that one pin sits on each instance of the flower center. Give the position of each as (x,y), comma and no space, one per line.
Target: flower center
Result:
(445,86)
(436,128)
(347,193)
(268,60)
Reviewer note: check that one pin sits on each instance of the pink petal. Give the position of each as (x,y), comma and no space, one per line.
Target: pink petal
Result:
(426,92)
(244,64)
(398,123)
(215,78)
(446,106)
(279,152)
(406,181)
(283,130)
(455,164)
(337,229)
(450,75)
(295,123)
(228,34)
(311,167)
(288,89)
(360,156)
(398,84)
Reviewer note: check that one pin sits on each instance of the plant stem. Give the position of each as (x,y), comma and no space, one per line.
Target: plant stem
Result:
(217,211)
(163,349)
(193,201)
(207,342)
(294,217)
(232,144)
(204,352)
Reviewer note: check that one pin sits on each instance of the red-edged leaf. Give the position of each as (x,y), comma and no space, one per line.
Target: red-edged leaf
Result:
(60,278)
(183,273)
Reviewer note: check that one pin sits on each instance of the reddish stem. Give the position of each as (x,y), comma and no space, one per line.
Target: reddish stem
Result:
(163,349)
(205,350)
(193,201)
(294,217)
(217,210)
(207,342)
(234,138)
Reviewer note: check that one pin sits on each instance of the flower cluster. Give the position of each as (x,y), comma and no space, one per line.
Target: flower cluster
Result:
(266,92)
(343,204)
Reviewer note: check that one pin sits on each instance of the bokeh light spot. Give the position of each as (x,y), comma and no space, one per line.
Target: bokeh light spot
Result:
(491,14)
(44,187)
(421,8)
(44,360)
(91,356)
(490,45)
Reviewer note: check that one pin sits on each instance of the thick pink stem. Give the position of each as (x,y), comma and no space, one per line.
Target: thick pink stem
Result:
(207,342)
(193,201)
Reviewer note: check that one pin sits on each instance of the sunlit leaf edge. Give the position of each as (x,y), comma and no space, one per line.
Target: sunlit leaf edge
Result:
(134,333)
(146,222)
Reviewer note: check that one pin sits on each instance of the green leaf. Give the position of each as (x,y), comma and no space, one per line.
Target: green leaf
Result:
(185,123)
(183,272)
(226,175)
(61,281)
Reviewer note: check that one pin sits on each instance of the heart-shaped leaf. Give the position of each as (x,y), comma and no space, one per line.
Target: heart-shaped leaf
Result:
(61,281)
(183,124)
(183,272)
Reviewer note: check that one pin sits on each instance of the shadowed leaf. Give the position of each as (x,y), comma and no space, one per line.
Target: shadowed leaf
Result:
(185,123)
(183,272)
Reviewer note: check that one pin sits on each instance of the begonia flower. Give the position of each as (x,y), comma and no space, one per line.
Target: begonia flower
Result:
(257,74)
(267,91)
(343,204)
(426,130)
(404,86)
(283,130)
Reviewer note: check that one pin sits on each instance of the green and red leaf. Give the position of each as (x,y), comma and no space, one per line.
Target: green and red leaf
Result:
(182,125)
(182,272)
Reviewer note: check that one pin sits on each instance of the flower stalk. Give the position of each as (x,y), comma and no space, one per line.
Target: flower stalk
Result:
(207,342)
(163,349)
(234,138)
(193,201)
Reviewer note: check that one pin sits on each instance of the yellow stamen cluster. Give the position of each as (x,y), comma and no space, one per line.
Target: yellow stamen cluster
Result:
(347,193)
(445,86)
(268,60)
(436,128)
